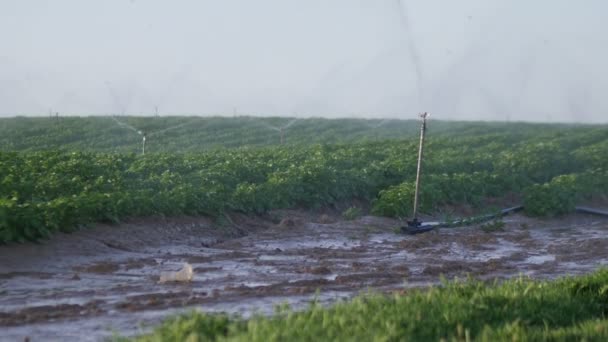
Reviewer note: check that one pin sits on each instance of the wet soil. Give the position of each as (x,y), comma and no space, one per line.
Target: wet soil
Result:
(104,280)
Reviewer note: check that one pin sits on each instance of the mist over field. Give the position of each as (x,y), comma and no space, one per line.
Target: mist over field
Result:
(461,60)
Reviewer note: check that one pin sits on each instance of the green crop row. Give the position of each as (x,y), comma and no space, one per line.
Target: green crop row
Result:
(195,134)
(442,189)
(46,191)
(567,309)
(562,193)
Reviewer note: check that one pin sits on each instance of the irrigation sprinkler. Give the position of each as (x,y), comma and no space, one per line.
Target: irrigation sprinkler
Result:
(54,115)
(129,127)
(144,135)
(143,144)
(415,224)
(280,129)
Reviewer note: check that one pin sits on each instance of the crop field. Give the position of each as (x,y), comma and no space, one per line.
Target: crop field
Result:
(196,134)
(271,212)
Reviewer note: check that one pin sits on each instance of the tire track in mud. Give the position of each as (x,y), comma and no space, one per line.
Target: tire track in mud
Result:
(80,287)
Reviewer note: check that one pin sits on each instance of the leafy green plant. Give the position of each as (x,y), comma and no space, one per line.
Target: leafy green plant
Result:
(555,198)
(514,310)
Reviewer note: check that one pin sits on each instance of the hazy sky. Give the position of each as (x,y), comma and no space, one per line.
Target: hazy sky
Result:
(466,59)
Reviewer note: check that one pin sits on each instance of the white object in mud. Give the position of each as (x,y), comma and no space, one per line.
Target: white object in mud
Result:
(183,275)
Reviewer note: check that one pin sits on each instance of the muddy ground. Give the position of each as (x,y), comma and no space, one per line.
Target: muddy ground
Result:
(104,280)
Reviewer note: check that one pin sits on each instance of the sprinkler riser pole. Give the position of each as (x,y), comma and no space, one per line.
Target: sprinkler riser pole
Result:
(419,168)
(143,145)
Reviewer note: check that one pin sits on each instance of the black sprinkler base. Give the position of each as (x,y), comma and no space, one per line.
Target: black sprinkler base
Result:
(415,227)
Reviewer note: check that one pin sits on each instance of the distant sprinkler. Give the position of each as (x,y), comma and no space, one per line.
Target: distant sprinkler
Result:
(144,135)
(375,125)
(143,142)
(281,129)
(53,115)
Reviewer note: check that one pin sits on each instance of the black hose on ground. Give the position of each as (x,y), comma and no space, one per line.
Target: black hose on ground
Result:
(592,211)
(428,226)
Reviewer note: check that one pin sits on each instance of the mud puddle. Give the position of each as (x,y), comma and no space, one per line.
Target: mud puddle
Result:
(104,280)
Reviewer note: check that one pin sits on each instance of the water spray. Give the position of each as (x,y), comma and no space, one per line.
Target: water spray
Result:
(413,50)
(144,135)
(125,125)
(121,105)
(378,124)
(375,126)
(280,129)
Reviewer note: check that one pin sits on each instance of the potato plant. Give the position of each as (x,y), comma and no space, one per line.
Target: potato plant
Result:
(46,190)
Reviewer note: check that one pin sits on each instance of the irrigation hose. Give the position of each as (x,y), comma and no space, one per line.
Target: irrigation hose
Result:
(428,226)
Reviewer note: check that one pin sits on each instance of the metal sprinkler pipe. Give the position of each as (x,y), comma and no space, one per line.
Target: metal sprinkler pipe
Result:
(414,222)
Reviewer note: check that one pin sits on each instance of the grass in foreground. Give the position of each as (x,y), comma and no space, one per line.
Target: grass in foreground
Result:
(517,310)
